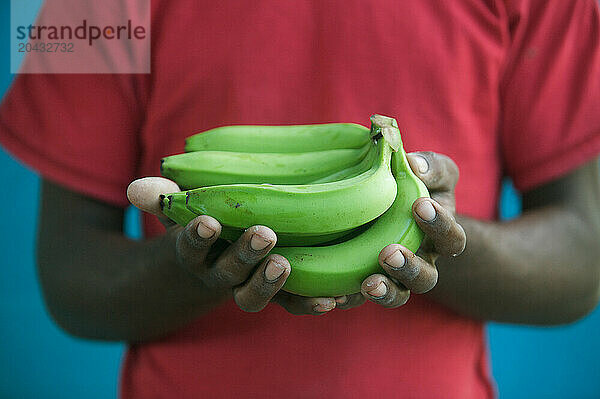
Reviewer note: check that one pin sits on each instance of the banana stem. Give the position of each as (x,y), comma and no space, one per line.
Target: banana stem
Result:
(386,127)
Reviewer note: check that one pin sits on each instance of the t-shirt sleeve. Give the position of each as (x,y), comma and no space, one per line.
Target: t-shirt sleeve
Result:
(80,131)
(550,89)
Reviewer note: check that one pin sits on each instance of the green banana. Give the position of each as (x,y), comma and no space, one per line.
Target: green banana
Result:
(312,209)
(325,261)
(280,139)
(208,168)
(173,206)
(365,164)
(339,269)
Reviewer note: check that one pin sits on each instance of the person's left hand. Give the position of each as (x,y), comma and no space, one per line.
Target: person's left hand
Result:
(404,270)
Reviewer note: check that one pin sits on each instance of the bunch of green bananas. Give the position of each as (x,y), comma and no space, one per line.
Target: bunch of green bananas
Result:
(335,194)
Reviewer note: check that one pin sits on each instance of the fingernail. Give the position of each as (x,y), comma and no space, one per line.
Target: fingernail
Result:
(258,243)
(426,211)
(273,271)
(419,163)
(341,299)
(378,291)
(324,305)
(204,231)
(395,260)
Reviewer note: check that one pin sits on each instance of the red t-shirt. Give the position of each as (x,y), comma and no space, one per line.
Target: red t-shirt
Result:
(503,87)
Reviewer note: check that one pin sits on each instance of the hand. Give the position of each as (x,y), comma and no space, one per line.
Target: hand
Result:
(243,269)
(406,271)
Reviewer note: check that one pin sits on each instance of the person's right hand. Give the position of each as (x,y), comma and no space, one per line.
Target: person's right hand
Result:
(243,269)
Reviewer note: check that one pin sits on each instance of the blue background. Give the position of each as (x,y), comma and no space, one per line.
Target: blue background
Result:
(39,361)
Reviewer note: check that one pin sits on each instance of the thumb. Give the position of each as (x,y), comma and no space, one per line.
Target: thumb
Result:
(145,194)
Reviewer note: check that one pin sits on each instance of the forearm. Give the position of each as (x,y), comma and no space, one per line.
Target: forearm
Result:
(541,268)
(108,287)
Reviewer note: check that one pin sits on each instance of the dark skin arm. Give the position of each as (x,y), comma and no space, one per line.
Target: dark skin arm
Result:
(541,268)
(78,280)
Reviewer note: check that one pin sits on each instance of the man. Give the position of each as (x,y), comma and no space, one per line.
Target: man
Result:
(500,87)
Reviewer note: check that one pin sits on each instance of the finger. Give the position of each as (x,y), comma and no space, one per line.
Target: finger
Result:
(256,293)
(437,171)
(439,225)
(413,272)
(380,289)
(301,305)
(346,302)
(195,241)
(237,262)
